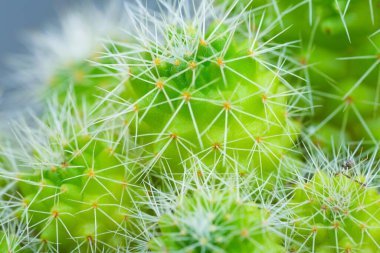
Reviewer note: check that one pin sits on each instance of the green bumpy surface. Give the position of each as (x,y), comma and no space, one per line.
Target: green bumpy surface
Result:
(8,244)
(211,96)
(14,237)
(346,91)
(336,213)
(217,221)
(88,80)
(208,92)
(79,189)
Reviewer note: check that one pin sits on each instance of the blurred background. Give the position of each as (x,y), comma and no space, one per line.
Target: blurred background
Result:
(20,18)
(17,19)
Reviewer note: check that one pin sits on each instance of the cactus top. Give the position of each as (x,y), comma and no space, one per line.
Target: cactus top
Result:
(207,83)
(219,218)
(337,211)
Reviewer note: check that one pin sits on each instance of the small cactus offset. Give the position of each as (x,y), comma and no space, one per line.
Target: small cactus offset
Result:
(338,208)
(220,217)
(198,126)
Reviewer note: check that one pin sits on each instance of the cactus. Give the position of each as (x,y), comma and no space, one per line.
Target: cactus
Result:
(340,55)
(14,236)
(178,130)
(219,217)
(203,84)
(76,170)
(337,209)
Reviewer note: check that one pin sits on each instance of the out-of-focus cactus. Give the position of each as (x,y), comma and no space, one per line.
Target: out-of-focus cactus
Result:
(76,181)
(340,54)
(62,57)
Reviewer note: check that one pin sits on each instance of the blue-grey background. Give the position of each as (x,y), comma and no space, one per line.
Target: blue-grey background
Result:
(17,19)
(20,16)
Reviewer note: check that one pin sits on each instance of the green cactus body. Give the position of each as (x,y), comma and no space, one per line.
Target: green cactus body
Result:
(238,6)
(8,244)
(327,138)
(88,79)
(335,212)
(216,221)
(340,55)
(79,188)
(14,236)
(208,94)
(201,102)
